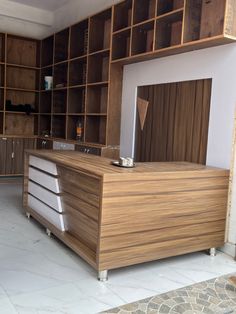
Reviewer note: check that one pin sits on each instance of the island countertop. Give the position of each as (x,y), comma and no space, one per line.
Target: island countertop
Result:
(101,166)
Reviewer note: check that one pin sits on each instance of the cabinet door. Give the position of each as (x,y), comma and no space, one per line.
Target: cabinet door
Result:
(18,154)
(9,157)
(19,147)
(3,151)
(88,150)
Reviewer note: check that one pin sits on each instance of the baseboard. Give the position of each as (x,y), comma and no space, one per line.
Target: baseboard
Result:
(229,249)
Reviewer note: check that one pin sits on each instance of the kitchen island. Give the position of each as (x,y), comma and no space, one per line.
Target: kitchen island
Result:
(114,217)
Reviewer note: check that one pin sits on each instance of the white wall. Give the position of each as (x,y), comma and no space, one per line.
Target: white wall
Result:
(218,63)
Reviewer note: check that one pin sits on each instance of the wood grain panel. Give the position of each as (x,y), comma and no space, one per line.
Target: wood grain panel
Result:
(78,184)
(162,234)
(81,203)
(9,159)
(18,149)
(176,127)
(163,211)
(20,124)
(3,149)
(22,51)
(21,78)
(212,18)
(153,251)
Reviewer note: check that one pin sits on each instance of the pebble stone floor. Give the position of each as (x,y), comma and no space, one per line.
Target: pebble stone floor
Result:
(216,296)
(39,275)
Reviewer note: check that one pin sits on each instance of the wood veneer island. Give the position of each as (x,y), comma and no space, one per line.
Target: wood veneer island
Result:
(114,217)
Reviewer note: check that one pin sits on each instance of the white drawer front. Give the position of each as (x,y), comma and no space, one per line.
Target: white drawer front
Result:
(47,197)
(44,179)
(43,164)
(46,212)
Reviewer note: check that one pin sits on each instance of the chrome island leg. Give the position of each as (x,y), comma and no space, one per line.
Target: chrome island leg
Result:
(49,233)
(28,215)
(103,275)
(212,251)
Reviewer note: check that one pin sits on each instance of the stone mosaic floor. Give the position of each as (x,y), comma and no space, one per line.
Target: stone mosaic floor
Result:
(215,296)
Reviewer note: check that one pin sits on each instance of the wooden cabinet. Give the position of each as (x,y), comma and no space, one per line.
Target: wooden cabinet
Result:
(12,154)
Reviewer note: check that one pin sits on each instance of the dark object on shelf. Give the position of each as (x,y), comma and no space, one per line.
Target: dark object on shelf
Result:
(27,108)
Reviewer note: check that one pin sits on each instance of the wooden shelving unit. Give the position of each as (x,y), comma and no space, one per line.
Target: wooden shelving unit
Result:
(19,85)
(81,82)
(149,29)
(86,60)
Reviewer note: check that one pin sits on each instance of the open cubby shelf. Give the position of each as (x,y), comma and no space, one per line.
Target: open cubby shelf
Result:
(95,129)
(77,72)
(1,100)
(97,99)
(122,15)
(60,75)
(20,124)
(22,78)
(46,102)
(98,67)
(71,126)
(2,75)
(47,51)
(61,45)
(169,30)
(59,126)
(144,10)
(2,47)
(79,39)
(165,6)
(100,31)
(45,72)
(45,125)
(17,98)
(197,19)
(60,101)
(142,38)
(76,100)
(22,51)
(121,45)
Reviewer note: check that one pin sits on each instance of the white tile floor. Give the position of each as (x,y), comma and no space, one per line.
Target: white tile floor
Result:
(40,275)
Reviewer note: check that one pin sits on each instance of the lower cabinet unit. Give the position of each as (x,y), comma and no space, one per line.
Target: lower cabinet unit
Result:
(12,154)
(114,217)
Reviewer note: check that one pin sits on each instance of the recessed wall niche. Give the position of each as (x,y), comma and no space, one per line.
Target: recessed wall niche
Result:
(176,121)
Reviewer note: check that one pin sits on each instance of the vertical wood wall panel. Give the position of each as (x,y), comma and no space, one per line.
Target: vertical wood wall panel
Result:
(176,126)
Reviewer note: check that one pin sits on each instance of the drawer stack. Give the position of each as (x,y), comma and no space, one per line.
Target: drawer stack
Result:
(44,191)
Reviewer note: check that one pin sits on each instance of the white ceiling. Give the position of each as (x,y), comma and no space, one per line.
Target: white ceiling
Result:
(48,5)
(41,18)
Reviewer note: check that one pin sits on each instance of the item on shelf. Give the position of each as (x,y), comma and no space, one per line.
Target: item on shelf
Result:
(45,133)
(27,108)
(60,85)
(48,82)
(79,131)
(124,162)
